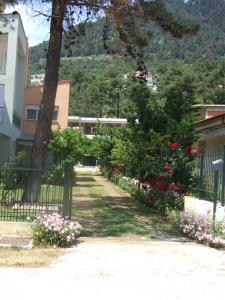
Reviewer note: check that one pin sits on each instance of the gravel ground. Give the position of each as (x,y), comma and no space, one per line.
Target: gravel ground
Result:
(123,268)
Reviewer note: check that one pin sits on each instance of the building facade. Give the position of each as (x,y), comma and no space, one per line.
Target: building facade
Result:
(13,72)
(87,125)
(31,104)
(211,127)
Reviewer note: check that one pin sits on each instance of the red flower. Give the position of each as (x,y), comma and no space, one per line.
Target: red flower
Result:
(160,186)
(176,187)
(188,149)
(174,145)
(168,168)
(174,155)
(151,181)
(142,180)
(159,178)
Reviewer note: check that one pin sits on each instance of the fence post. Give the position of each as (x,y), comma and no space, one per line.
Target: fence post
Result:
(201,184)
(67,193)
(223,178)
(215,192)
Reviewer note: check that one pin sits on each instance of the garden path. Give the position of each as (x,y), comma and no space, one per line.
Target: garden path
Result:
(130,265)
(103,209)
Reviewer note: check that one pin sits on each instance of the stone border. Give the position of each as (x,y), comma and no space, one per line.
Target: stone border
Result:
(16,237)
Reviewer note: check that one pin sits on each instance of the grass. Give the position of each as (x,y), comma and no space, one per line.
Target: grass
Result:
(15,228)
(33,258)
(104,210)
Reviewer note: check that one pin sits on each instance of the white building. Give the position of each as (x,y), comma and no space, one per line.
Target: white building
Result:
(87,125)
(13,68)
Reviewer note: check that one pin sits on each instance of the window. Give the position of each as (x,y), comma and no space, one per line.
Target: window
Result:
(3,52)
(55,114)
(32,113)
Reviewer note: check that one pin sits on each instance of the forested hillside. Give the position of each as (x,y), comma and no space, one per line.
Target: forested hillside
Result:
(209,42)
(98,84)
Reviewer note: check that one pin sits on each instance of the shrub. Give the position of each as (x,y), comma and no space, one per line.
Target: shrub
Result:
(56,175)
(53,230)
(200,228)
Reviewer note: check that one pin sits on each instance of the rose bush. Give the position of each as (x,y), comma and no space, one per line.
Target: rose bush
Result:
(166,188)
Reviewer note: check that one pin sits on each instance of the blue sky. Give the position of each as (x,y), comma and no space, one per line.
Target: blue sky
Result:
(36,27)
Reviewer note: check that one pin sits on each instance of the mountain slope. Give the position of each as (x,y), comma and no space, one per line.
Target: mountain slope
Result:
(209,42)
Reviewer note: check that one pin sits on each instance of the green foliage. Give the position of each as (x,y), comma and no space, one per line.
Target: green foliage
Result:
(207,43)
(56,175)
(68,145)
(102,145)
(178,94)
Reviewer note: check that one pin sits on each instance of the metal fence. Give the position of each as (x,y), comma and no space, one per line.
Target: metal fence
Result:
(205,170)
(55,193)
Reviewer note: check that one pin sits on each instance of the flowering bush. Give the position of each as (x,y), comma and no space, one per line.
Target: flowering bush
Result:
(199,227)
(165,189)
(54,230)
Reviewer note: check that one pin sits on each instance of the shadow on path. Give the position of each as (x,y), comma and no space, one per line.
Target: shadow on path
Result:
(104,210)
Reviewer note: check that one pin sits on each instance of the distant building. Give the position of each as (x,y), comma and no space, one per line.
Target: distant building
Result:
(87,125)
(211,126)
(32,100)
(13,72)
(37,79)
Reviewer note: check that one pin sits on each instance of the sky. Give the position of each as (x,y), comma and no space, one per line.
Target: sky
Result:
(36,27)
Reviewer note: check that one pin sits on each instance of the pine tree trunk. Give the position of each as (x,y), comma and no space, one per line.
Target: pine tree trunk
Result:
(43,130)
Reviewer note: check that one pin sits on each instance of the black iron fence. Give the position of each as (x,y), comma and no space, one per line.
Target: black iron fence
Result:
(55,193)
(206,166)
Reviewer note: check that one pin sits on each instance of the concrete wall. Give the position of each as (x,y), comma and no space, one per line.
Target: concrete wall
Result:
(203,207)
(33,97)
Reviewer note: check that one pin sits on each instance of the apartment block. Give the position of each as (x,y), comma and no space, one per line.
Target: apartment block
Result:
(13,71)
(31,104)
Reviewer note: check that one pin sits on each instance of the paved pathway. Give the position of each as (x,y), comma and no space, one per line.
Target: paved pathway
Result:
(123,268)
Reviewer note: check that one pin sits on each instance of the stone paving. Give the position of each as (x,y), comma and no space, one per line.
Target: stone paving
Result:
(123,268)
(102,268)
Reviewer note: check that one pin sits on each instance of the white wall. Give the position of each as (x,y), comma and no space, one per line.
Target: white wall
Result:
(203,207)
(14,79)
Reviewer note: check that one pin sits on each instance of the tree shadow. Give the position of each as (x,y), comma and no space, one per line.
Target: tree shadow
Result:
(119,216)
(85,178)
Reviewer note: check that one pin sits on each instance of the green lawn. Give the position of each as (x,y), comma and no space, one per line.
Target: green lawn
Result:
(104,210)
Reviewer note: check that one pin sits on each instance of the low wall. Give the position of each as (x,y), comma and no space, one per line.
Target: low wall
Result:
(203,207)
